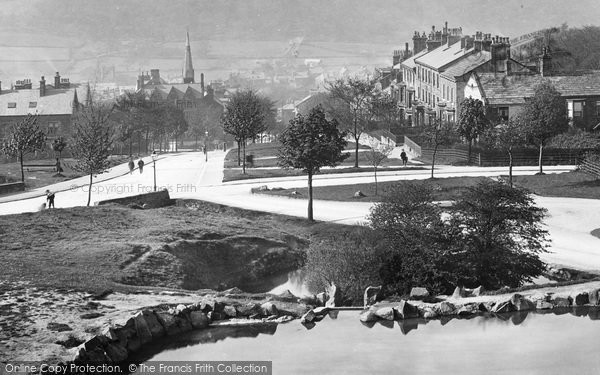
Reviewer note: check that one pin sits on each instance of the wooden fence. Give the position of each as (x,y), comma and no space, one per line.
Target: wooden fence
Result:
(590,167)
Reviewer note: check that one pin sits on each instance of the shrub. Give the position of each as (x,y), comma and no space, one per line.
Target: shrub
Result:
(350,259)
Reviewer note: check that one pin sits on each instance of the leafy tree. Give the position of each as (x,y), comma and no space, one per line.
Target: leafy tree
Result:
(92,141)
(310,143)
(471,121)
(505,137)
(244,118)
(25,138)
(204,119)
(133,112)
(58,145)
(501,235)
(437,133)
(352,105)
(386,111)
(174,122)
(543,116)
(377,155)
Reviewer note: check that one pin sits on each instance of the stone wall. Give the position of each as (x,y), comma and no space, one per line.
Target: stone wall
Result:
(149,200)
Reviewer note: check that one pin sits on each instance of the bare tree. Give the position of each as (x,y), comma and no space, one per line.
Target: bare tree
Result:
(25,138)
(377,155)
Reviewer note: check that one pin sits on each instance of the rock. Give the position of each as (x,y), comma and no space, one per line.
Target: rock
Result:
(58,327)
(217,306)
(503,307)
(405,310)
(582,299)
(419,293)
(372,294)
(295,193)
(322,298)
(156,329)
(429,314)
(594,296)
(284,319)
(321,311)
(308,317)
(248,309)
(521,303)
(110,334)
(234,290)
(205,307)
(459,292)
(562,301)
(286,296)
(335,296)
(92,315)
(102,295)
(180,309)
(468,309)
(214,316)
(478,291)
(268,308)
(169,322)
(95,342)
(543,305)
(230,311)
(385,313)
(368,316)
(198,319)
(444,308)
(359,194)
(115,352)
(96,356)
(263,188)
(309,300)
(141,328)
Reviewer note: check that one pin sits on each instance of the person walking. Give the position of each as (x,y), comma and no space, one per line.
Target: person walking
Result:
(141,165)
(50,198)
(404,158)
(131,166)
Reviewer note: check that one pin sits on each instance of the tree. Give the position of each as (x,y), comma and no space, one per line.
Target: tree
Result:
(92,141)
(243,119)
(352,106)
(58,145)
(204,119)
(437,133)
(505,137)
(133,111)
(376,155)
(386,111)
(543,116)
(501,235)
(174,122)
(25,138)
(471,121)
(310,143)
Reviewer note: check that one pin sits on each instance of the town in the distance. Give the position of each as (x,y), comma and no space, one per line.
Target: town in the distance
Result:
(313,212)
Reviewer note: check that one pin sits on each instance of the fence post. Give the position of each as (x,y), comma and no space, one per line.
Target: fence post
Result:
(479,159)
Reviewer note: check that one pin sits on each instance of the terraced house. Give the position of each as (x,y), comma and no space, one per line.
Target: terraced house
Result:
(434,77)
(54,104)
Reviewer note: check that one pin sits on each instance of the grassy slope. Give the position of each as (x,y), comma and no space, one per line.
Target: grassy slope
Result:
(86,248)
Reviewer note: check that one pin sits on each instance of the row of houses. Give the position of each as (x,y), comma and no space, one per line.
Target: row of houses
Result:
(444,67)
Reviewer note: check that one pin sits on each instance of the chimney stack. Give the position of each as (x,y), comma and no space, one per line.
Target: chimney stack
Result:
(545,63)
(42,86)
(57,81)
(202,82)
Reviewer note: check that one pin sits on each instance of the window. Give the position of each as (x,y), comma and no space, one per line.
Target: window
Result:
(503,113)
(12,105)
(577,109)
(53,127)
(32,104)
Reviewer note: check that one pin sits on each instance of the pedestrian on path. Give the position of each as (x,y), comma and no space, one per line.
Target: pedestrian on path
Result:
(131,166)
(141,166)
(404,158)
(50,198)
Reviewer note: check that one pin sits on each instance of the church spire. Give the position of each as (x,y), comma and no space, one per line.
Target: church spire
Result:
(188,69)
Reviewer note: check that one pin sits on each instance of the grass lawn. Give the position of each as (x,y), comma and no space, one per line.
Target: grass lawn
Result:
(40,176)
(574,184)
(444,189)
(251,173)
(96,248)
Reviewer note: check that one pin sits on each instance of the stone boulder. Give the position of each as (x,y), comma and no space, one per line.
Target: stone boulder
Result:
(419,293)
(368,316)
(249,309)
(335,296)
(405,310)
(199,319)
(543,305)
(594,296)
(468,309)
(141,328)
(156,329)
(459,292)
(444,308)
(478,291)
(385,313)
(322,298)
(115,352)
(229,311)
(308,317)
(268,308)
(429,313)
(503,307)
(359,194)
(561,301)
(582,299)
(372,294)
(169,322)
(521,303)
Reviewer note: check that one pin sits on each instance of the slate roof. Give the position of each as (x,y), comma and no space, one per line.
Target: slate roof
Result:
(55,102)
(444,55)
(513,89)
(179,89)
(410,62)
(467,64)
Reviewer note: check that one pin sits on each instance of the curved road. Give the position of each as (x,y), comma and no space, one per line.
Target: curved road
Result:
(187,175)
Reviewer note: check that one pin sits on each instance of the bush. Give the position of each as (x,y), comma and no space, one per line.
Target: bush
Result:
(349,259)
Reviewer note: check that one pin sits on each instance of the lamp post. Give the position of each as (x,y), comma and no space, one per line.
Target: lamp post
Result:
(154,157)
(205,145)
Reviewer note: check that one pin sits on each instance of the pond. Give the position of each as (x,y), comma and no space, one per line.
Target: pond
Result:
(552,343)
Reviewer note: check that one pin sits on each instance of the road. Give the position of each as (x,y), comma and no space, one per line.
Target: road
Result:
(188,175)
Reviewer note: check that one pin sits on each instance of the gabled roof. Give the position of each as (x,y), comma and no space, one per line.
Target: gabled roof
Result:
(176,90)
(410,62)
(23,102)
(440,57)
(466,64)
(513,89)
